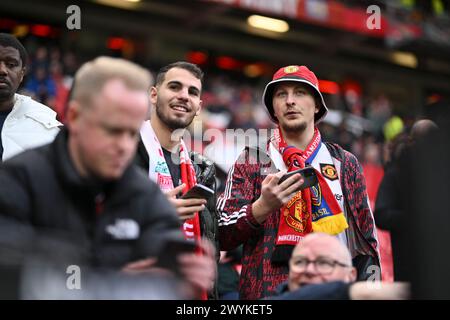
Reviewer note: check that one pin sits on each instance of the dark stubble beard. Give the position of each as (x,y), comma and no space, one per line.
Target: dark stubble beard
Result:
(6,94)
(173,124)
(295,128)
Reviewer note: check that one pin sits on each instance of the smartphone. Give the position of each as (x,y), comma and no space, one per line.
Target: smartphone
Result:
(171,249)
(198,191)
(308,174)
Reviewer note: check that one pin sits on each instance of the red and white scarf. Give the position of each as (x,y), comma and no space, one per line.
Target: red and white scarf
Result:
(313,209)
(159,173)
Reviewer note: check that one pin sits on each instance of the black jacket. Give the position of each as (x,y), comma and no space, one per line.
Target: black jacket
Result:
(41,192)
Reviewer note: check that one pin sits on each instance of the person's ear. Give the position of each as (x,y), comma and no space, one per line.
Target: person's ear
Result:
(153,96)
(199,108)
(73,115)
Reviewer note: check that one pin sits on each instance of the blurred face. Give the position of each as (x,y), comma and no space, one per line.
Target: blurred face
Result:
(11,73)
(177,99)
(330,263)
(294,106)
(104,136)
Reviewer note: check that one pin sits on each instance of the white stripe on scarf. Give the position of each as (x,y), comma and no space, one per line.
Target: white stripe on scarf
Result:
(158,170)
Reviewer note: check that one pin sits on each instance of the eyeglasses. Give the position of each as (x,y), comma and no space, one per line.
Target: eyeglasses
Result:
(323,266)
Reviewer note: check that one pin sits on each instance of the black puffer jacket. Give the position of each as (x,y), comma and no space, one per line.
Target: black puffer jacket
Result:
(116,223)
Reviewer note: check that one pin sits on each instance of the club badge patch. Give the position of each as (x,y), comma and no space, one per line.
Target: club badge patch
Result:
(328,171)
(290,69)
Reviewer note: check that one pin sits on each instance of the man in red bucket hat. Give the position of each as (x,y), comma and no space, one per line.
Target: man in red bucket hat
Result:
(270,217)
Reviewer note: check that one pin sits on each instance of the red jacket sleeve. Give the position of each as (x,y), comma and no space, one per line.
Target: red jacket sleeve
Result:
(234,205)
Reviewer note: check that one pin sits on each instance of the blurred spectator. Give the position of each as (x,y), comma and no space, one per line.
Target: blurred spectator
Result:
(24,123)
(373,171)
(389,208)
(321,268)
(42,87)
(243,118)
(379,112)
(425,179)
(70,63)
(41,60)
(62,89)
(392,128)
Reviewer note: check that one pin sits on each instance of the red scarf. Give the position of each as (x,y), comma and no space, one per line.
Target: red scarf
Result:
(191,227)
(313,209)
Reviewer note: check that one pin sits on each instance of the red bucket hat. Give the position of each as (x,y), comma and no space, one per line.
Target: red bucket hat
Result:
(299,74)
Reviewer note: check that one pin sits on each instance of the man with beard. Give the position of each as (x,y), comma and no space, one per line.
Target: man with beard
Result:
(163,154)
(24,123)
(269,218)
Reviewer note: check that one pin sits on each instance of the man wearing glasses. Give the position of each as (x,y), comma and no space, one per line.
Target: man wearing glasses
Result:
(321,268)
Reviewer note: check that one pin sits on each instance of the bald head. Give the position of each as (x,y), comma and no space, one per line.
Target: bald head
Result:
(422,128)
(333,257)
(325,245)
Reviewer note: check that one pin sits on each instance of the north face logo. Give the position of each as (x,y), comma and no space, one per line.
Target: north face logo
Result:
(124,229)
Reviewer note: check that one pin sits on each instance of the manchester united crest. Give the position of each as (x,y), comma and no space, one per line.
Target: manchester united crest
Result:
(329,171)
(291,69)
(300,217)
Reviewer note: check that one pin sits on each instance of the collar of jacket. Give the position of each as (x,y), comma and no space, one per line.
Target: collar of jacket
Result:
(26,107)
(91,187)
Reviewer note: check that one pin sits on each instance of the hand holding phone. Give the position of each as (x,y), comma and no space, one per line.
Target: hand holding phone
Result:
(308,174)
(198,191)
